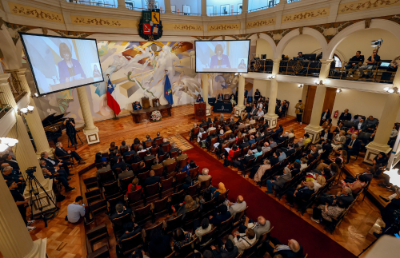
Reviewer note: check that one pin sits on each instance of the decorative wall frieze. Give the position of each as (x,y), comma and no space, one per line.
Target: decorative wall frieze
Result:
(33,12)
(277,35)
(183,27)
(331,29)
(222,27)
(260,23)
(98,21)
(363,5)
(306,15)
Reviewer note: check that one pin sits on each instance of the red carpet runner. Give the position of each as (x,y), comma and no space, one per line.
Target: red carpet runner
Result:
(286,224)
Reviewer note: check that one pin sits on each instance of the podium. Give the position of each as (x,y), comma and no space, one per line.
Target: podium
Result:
(200,111)
(145,102)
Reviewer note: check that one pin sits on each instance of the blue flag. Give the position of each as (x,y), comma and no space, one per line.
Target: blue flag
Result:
(168,91)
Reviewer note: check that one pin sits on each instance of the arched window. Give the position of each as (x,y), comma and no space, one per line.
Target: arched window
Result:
(338,62)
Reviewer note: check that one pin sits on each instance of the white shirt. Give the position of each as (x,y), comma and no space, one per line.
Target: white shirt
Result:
(260,113)
(52,162)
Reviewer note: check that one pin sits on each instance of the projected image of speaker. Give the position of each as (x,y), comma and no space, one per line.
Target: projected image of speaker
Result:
(60,63)
(224,56)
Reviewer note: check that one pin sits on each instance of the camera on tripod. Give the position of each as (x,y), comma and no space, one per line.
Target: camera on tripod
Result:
(30,171)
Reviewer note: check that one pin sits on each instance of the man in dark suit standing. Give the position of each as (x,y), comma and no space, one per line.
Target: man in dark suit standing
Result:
(352,146)
(60,152)
(345,116)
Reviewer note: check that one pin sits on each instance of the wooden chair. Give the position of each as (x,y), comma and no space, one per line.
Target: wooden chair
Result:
(148,144)
(111,189)
(102,252)
(98,207)
(208,208)
(142,215)
(149,162)
(112,202)
(159,141)
(183,162)
(194,173)
(128,158)
(142,154)
(177,197)
(93,196)
(128,245)
(135,147)
(187,249)
(172,224)
(135,198)
(124,183)
(179,178)
(117,171)
(171,255)
(135,166)
(166,148)
(106,177)
(205,184)
(91,182)
(171,167)
(249,252)
(166,187)
(99,165)
(207,239)
(221,197)
(159,171)
(225,227)
(154,151)
(192,190)
(143,176)
(190,217)
(118,224)
(174,154)
(148,231)
(97,234)
(264,236)
(239,217)
(152,192)
(160,207)
(161,158)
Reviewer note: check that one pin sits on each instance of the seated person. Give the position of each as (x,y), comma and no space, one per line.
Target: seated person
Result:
(355,62)
(131,230)
(283,137)
(187,182)
(204,175)
(236,207)
(204,228)
(21,203)
(220,215)
(370,65)
(134,186)
(217,191)
(299,56)
(188,205)
(301,194)
(199,99)
(345,116)
(159,244)
(137,106)
(227,250)
(243,240)
(260,171)
(292,250)
(352,146)
(77,211)
(345,195)
(60,152)
(379,164)
(148,139)
(279,181)
(55,162)
(371,124)
(57,177)
(257,152)
(220,98)
(274,159)
(152,179)
(260,227)
(242,161)
(180,238)
(120,210)
(307,141)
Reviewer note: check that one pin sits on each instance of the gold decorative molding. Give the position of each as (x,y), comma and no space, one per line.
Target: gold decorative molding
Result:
(33,12)
(306,15)
(363,5)
(221,27)
(109,22)
(182,27)
(260,23)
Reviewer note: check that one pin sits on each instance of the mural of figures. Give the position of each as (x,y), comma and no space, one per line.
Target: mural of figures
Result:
(138,69)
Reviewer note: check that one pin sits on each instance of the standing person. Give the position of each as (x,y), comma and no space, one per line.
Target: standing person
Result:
(299,111)
(71,131)
(245,95)
(77,211)
(20,202)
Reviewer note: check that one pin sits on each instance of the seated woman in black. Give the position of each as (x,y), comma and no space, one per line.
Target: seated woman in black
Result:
(257,95)
(160,244)
(99,158)
(192,164)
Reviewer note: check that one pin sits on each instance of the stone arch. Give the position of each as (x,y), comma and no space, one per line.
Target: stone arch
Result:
(11,57)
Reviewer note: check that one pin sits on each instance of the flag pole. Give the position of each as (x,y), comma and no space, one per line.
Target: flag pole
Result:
(115,116)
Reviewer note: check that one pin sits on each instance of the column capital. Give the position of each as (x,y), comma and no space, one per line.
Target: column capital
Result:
(4,77)
(277,60)
(326,61)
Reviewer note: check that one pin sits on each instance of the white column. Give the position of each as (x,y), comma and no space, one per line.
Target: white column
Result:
(386,123)
(282,2)
(33,119)
(90,130)
(121,4)
(314,129)
(245,6)
(271,117)
(205,84)
(167,4)
(240,105)
(203,7)
(15,241)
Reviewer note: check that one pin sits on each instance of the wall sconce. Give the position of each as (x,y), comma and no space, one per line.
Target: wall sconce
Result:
(271,77)
(391,90)
(7,142)
(300,85)
(319,82)
(36,94)
(24,111)
(339,90)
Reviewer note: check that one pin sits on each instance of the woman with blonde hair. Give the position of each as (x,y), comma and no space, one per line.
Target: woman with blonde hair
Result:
(189,205)
(321,181)
(291,133)
(338,140)
(220,190)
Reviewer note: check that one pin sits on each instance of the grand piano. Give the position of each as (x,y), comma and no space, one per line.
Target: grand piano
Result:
(53,126)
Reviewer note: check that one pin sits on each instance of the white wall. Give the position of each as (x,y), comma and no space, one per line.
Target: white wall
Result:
(360,103)
(263,47)
(361,40)
(195,5)
(217,5)
(262,86)
(301,43)
(290,92)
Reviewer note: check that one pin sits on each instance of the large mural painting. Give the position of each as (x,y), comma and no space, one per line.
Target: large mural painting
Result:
(138,69)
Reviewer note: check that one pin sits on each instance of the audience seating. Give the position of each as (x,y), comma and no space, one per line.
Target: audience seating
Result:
(96,234)
(128,245)
(102,252)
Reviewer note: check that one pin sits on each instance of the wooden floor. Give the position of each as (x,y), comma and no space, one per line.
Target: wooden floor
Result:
(66,240)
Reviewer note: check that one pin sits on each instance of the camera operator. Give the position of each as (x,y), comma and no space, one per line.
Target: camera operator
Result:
(391,216)
(71,131)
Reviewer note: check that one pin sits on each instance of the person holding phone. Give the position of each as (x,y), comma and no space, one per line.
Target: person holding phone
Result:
(77,211)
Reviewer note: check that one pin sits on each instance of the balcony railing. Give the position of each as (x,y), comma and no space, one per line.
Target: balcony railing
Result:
(4,108)
(182,13)
(94,3)
(312,69)
(223,14)
(270,3)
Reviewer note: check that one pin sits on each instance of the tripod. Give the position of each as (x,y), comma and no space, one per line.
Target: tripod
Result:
(34,186)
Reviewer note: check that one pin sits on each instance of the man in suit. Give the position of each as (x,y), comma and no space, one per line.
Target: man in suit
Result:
(148,139)
(345,116)
(252,140)
(220,215)
(104,168)
(156,165)
(345,195)
(290,150)
(352,146)
(292,250)
(54,169)
(242,161)
(303,193)
(272,143)
(204,175)
(126,173)
(245,143)
(283,137)
(120,164)
(120,210)
(152,179)
(12,162)
(131,230)
(173,148)
(253,111)
(127,152)
(227,250)
(279,181)
(158,136)
(60,152)
(148,156)
(55,162)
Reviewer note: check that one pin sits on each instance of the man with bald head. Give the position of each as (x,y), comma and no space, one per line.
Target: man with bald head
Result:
(260,227)
(204,175)
(239,205)
(292,250)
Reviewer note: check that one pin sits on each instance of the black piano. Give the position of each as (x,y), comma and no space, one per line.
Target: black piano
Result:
(53,126)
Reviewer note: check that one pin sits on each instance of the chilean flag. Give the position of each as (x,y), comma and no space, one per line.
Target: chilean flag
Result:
(111,102)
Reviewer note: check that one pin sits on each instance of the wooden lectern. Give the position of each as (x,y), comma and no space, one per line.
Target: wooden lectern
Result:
(145,102)
(200,111)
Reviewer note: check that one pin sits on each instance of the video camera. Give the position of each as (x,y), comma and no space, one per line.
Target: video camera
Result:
(30,171)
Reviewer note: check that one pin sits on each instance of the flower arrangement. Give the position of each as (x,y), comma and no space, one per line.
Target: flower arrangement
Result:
(156,116)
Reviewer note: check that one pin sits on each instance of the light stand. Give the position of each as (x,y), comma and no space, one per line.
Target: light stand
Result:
(34,186)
